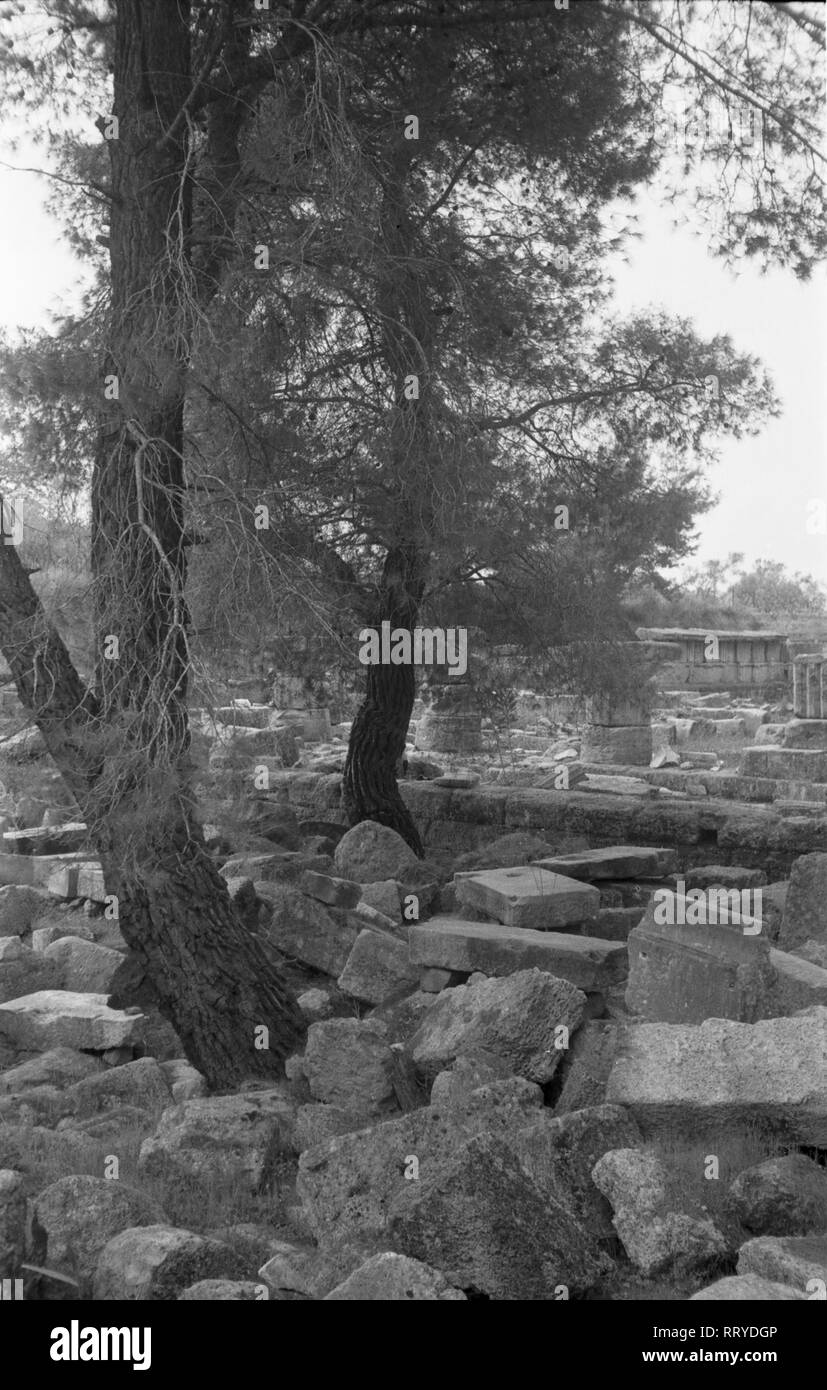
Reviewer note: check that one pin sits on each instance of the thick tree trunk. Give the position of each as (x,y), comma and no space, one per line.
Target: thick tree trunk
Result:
(124,750)
(377,738)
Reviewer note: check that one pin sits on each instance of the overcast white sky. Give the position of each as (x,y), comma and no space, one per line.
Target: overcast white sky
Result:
(765,483)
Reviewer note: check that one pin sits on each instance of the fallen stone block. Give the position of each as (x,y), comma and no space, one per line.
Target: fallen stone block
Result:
(83,966)
(348,1062)
(158,1262)
(185,1083)
(348,1183)
(799,1261)
(79,1214)
(785,1196)
(683,971)
(59,1018)
(13,1222)
(681,1079)
(452,944)
(485,1225)
(805,908)
(23,972)
(747,1288)
(59,1067)
(394,1278)
(221,1137)
(379,965)
(46,839)
(586,1066)
(20,905)
(141,1084)
(300,926)
(526,1019)
(798,984)
(617,861)
(656,1239)
(335,892)
(370,852)
(528,896)
(626,745)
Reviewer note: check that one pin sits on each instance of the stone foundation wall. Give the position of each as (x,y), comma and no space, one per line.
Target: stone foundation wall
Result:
(709,832)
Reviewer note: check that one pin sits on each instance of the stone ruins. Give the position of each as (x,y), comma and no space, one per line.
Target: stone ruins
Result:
(522,1079)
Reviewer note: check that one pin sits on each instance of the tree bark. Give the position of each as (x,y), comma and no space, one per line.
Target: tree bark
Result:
(124,749)
(377,738)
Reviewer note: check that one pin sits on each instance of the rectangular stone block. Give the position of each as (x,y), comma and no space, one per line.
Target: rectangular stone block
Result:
(590,963)
(629,746)
(804,733)
(528,897)
(685,972)
(805,907)
(798,985)
(378,965)
(685,1080)
(90,882)
(806,764)
(59,1018)
(617,861)
(46,839)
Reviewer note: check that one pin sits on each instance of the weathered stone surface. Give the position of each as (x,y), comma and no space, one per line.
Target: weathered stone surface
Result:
(520,1018)
(559,1154)
(38,1153)
(586,1066)
(224,1291)
(723,876)
(468,1073)
(141,1083)
(315,1004)
(19,906)
(71,925)
(379,965)
(745,1287)
(452,944)
(220,1137)
(12,1221)
(805,910)
(348,1183)
(158,1262)
(83,965)
(317,1122)
(506,852)
(310,1272)
(528,896)
(348,1062)
(617,861)
(656,1239)
(682,972)
(23,972)
(784,1196)
(793,1260)
(301,927)
(60,1066)
(394,1278)
(184,1081)
(336,892)
(58,1018)
(798,984)
(678,1078)
(371,852)
(79,1214)
(382,896)
(626,745)
(803,733)
(485,1225)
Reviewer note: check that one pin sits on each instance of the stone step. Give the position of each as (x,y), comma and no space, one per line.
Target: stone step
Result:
(449,943)
(527,896)
(617,861)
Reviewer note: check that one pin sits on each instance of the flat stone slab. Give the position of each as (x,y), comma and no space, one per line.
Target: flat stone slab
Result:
(59,1018)
(617,861)
(451,944)
(676,1078)
(46,839)
(528,896)
(809,765)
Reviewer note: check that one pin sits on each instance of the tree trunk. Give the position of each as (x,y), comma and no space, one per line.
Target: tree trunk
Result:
(124,750)
(377,738)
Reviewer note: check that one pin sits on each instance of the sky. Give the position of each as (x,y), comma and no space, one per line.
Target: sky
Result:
(765,483)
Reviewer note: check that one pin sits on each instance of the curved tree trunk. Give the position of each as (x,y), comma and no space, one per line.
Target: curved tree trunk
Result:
(123,750)
(377,737)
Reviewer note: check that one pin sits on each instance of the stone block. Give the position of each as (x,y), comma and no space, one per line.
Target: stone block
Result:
(495,950)
(528,896)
